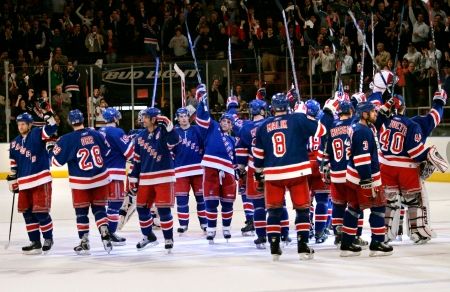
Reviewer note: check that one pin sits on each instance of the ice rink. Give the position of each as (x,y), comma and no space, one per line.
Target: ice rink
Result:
(196,266)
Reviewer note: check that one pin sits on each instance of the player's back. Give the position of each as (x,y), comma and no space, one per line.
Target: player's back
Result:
(188,153)
(338,149)
(121,150)
(400,142)
(84,152)
(281,142)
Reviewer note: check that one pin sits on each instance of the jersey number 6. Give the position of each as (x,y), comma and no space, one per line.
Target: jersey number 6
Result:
(84,154)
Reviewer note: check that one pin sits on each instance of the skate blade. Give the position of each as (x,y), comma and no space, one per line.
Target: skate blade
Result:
(169,251)
(377,253)
(276,257)
(347,253)
(121,243)
(399,238)
(260,246)
(32,252)
(83,252)
(151,244)
(211,241)
(306,256)
(248,234)
(46,252)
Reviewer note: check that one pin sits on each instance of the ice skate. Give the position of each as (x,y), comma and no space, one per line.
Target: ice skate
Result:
(203,227)
(361,242)
(182,229)
(304,251)
(350,250)
(321,237)
(226,234)
(275,249)
(260,242)
(168,245)
(248,229)
(210,236)
(148,241)
(33,248)
(47,246)
(106,238)
(117,240)
(380,249)
(419,239)
(84,247)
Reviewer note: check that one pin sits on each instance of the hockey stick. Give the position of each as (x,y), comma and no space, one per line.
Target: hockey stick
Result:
(199,79)
(376,66)
(398,48)
(256,56)
(155,83)
(11,220)
(361,75)
(428,5)
(291,54)
(183,84)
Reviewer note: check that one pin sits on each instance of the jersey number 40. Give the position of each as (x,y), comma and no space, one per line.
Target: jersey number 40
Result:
(85,161)
(394,143)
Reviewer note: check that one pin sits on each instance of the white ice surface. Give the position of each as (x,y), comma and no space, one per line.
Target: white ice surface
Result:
(196,266)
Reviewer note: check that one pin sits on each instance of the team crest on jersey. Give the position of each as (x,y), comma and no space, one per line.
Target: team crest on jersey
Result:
(417,137)
(125,139)
(56,150)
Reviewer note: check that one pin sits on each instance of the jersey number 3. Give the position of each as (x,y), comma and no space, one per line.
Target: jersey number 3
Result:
(279,144)
(84,155)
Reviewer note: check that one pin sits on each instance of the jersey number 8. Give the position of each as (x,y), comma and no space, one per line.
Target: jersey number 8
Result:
(84,155)
(279,144)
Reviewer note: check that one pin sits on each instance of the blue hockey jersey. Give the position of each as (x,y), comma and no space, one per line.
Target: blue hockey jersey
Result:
(188,153)
(363,161)
(401,142)
(337,152)
(84,151)
(29,159)
(431,120)
(121,151)
(247,136)
(219,147)
(152,162)
(280,146)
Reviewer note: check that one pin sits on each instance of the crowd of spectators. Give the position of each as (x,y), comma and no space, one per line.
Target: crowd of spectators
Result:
(60,35)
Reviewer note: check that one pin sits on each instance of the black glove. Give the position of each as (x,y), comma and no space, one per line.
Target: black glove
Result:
(49,145)
(165,122)
(240,172)
(259,177)
(12,182)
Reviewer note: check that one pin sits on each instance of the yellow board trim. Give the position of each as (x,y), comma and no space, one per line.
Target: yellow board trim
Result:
(435,177)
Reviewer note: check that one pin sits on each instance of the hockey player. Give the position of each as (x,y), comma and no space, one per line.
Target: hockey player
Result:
(153,176)
(188,171)
(334,160)
(219,162)
(121,151)
(30,177)
(364,181)
(402,149)
(129,203)
(232,109)
(84,150)
(281,163)
(318,189)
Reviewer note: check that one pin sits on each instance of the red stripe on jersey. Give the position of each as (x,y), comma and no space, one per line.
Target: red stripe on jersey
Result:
(212,159)
(287,169)
(167,173)
(34,178)
(436,117)
(90,181)
(416,151)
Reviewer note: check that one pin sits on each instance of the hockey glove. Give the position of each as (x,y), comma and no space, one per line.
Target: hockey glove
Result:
(240,171)
(49,145)
(331,105)
(200,93)
(325,174)
(259,177)
(12,183)
(367,186)
(165,122)
(359,97)
(49,118)
(426,169)
(441,95)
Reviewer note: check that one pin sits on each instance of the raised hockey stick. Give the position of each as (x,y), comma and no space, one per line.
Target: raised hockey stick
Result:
(199,78)
(183,84)
(256,56)
(428,5)
(11,220)
(155,83)
(398,47)
(291,54)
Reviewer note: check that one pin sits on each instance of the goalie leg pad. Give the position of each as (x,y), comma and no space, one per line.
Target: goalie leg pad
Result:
(127,210)
(417,218)
(392,215)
